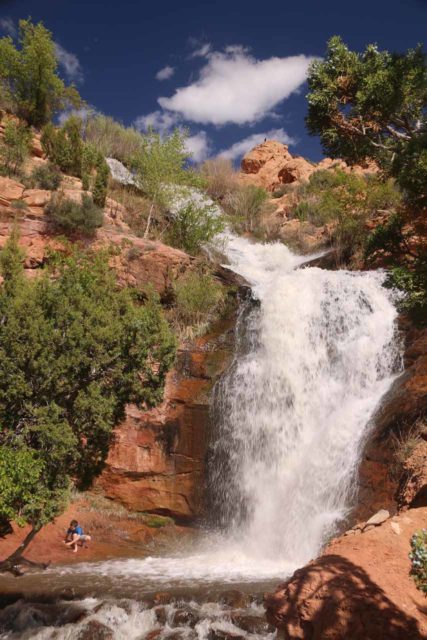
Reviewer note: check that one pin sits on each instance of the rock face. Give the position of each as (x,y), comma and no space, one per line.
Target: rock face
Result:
(405,402)
(360,588)
(157,460)
(270,165)
(138,262)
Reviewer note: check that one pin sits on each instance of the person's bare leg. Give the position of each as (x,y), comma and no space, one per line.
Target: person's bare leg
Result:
(73,542)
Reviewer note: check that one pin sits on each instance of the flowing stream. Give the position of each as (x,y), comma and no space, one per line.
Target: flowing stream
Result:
(316,351)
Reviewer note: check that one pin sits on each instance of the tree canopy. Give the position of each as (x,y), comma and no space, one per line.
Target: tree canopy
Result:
(373,105)
(74,349)
(29,75)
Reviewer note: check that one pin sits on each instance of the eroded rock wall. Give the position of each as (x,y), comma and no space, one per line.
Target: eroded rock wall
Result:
(157,459)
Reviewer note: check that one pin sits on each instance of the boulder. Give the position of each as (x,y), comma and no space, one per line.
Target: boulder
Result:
(36,197)
(10,190)
(378,518)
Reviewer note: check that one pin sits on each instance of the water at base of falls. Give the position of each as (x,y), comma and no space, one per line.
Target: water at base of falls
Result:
(314,357)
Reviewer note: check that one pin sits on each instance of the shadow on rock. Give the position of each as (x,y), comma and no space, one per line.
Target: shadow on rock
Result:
(334,599)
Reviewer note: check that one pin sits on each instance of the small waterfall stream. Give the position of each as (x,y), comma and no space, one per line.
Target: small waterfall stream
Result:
(315,353)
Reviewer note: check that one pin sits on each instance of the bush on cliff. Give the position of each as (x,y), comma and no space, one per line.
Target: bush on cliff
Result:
(199,300)
(347,201)
(220,177)
(194,226)
(70,216)
(46,176)
(14,147)
(29,77)
(244,207)
(74,349)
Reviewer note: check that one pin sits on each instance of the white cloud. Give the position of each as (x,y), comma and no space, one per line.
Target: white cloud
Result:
(165,73)
(70,63)
(160,121)
(234,87)
(199,146)
(8,26)
(238,149)
(202,51)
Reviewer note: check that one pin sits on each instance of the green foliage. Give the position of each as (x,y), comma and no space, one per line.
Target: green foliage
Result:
(347,200)
(198,297)
(244,206)
(91,158)
(157,522)
(413,283)
(112,139)
(161,163)
(372,105)
(46,176)
(418,558)
(64,146)
(101,184)
(15,146)
(193,226)
(29,75)
(74,349)
(70,216)
(386,237)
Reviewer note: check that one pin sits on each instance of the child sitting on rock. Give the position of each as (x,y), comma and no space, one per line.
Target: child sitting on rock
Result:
(75,536)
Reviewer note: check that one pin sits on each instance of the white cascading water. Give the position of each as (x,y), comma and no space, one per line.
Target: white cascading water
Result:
(318,355)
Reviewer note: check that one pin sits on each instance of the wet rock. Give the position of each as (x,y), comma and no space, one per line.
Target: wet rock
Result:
(185,617)
(163,597)
(235,599)
(253,624)
(161,614)
(153,635)
(221,634)
(95,630)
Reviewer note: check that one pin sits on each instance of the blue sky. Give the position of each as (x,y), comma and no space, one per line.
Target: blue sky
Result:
(231,71)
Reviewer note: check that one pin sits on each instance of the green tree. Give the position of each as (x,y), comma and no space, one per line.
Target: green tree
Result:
(15,146)
(373,105)
(160,166)
(74,349)
(29,75)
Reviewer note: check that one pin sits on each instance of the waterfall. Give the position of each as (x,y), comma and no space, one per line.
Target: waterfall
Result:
(313,360)
(316,351)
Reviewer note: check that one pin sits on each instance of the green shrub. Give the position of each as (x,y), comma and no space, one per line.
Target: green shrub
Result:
(101,184)
(347,200)
(71,216)
(112,139)
(244,206)
(413,283)
(15,146)
(64,146)
(418,557)
(198,296)
(194,226)
(46,176)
